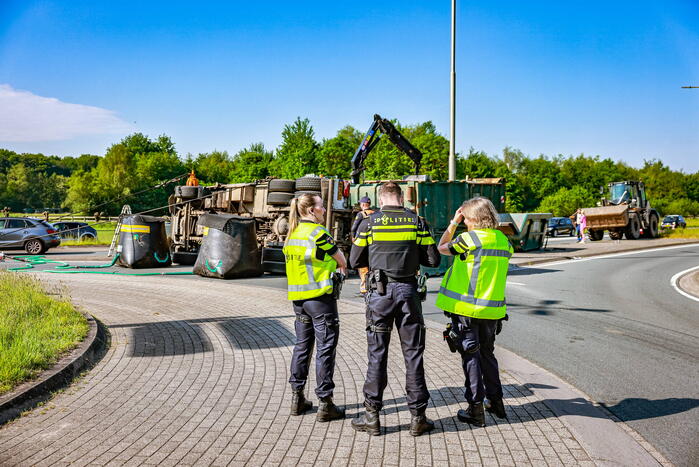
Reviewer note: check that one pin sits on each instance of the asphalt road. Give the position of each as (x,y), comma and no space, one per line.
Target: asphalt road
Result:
(616,329)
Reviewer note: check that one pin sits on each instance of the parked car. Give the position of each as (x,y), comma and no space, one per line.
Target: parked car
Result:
(75,231)
(673,221)
(34,235)
(560,225)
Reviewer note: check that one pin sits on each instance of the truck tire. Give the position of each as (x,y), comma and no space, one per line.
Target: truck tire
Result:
(188,192)
(652,230)
(280,185)
(616,234)
(596,235)
(633,228)
(308,184)
(185,258)
(303,192)
(279,199)
(273,261)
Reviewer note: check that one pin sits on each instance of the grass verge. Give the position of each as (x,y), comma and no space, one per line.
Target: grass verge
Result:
(689,232)
(35,329)
(104,237)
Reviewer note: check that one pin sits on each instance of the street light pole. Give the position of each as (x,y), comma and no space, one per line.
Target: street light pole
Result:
(452,107)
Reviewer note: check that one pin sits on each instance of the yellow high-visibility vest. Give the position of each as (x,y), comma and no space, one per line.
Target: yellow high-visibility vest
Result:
(475,283)
(308,276)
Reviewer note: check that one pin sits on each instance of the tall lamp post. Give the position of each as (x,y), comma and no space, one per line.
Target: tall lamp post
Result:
(452,93)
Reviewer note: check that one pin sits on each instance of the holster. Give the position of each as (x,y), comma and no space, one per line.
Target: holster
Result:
(498,326)
(378,281)
(422,287)
(448,338)
(338,279)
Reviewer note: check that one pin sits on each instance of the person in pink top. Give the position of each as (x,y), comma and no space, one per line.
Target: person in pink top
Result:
(582,219)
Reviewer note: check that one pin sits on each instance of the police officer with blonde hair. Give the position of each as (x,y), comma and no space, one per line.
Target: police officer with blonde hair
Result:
(311,259)
(393,243)
(472,294)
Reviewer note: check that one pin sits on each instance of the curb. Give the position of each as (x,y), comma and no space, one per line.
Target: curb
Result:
(27,395)
(691,291)
(573,257)
(606,439)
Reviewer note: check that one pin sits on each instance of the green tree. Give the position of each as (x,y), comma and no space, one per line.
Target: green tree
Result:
(335,155)
(214,167)
(251,164)
(298,152)
(476,164)
(566,200)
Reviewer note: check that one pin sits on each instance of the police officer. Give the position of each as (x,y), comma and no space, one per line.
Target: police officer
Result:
(472,294)
(311,259)
(366,211)
(393,243)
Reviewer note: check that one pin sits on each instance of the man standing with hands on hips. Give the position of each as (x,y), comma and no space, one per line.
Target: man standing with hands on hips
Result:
(393,243)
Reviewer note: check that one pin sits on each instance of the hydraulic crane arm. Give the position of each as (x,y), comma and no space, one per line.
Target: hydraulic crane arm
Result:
(373,136)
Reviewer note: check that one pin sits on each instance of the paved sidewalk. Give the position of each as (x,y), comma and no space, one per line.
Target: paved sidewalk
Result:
(197,375)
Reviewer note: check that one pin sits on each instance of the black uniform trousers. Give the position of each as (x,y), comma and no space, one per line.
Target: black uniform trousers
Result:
(400,306)
(476,346)
(317,322)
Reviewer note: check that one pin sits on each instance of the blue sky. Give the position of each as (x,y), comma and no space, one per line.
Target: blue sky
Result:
(593,77)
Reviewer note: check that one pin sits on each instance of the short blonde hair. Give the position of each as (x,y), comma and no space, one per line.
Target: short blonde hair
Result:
(481,212)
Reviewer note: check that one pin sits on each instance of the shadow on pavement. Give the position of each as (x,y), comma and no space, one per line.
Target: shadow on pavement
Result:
(184,337)
(636,408)
(524,271)
(549,307)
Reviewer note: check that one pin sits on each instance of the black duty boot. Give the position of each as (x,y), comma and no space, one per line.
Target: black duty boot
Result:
(327,410)
(474,415)
(420,424)
(497,408)
(299,404)
(368,422)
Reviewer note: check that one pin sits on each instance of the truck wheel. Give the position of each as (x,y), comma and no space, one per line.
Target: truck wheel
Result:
(34,246)
(633,229)
(652,230)
(280,185)
(273,261)
(279,199)
(596,235)
(308,184)
(616,234)
(314,193)
(185,258)
(188,192)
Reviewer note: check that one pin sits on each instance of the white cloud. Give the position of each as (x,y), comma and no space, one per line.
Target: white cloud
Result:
(26,117)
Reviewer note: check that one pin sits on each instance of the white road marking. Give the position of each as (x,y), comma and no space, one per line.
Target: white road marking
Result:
(676,278)
(515,283)
(611,255)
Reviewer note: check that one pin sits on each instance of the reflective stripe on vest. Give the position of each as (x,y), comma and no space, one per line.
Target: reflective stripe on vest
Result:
(454,299)
(300,287)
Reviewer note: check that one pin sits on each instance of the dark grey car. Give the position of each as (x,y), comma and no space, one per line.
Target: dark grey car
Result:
(33,235)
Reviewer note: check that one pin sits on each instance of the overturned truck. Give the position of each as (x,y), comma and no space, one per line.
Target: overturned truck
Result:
(267,203)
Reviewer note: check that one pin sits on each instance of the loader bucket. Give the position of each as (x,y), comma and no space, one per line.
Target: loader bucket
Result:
(607,217)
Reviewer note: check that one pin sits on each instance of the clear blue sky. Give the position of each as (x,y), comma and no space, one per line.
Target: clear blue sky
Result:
(593,77)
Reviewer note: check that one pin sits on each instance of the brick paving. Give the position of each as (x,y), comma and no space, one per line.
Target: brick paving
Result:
(197,375)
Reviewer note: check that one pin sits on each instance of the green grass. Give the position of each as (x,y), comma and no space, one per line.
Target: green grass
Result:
(35,329)
(692,230)
(105,232)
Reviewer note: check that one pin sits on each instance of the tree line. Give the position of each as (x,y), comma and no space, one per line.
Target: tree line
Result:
(89,183)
